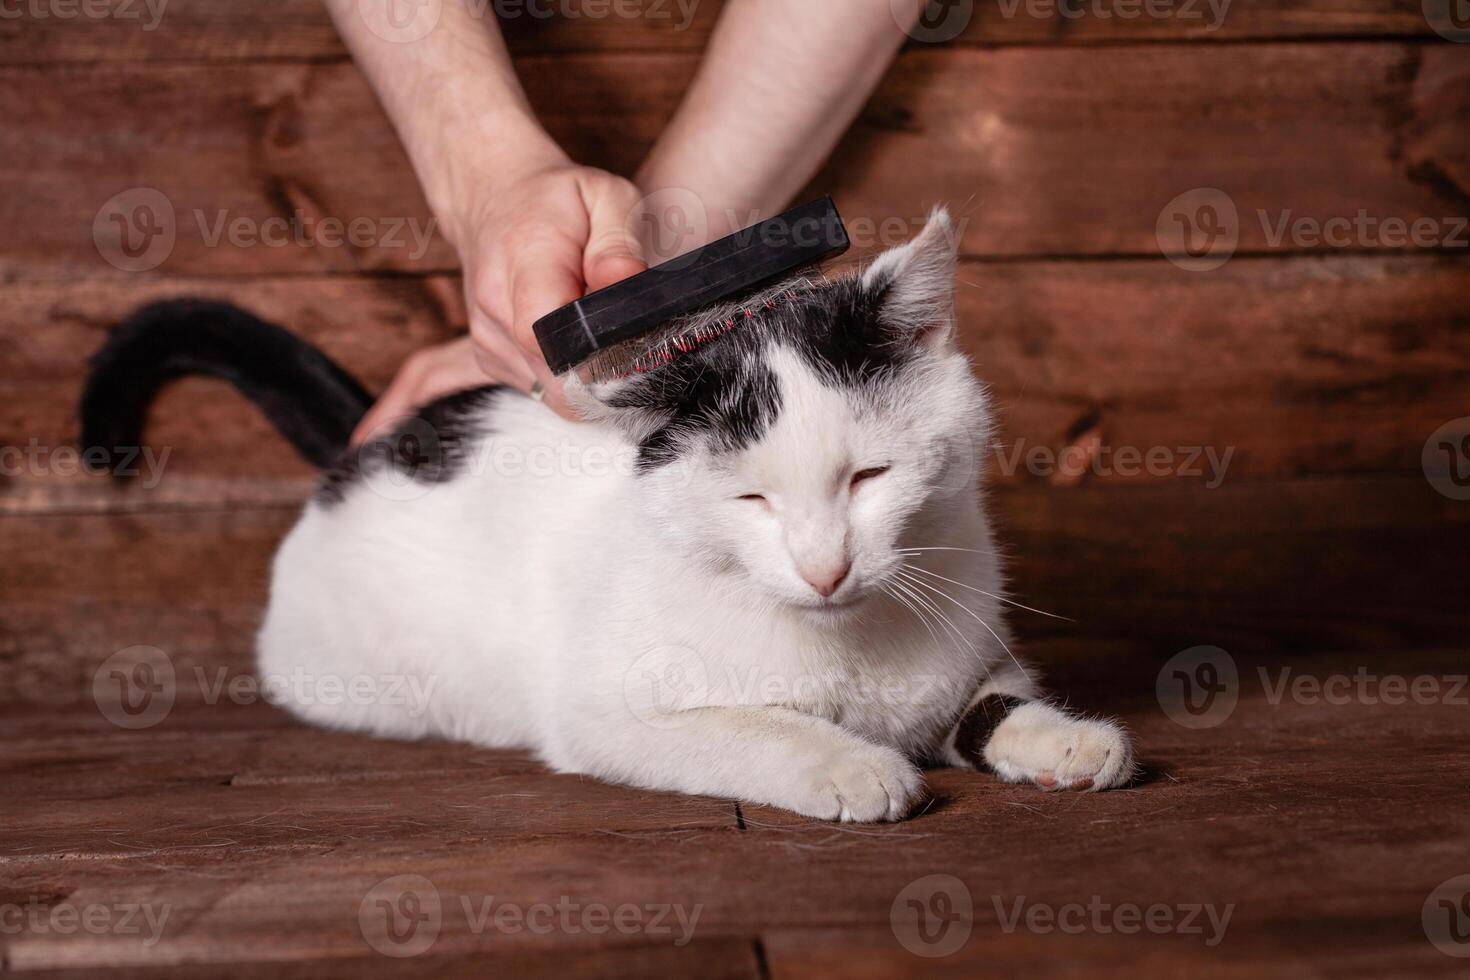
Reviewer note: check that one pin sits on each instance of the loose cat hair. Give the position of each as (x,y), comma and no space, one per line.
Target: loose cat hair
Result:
(759,568)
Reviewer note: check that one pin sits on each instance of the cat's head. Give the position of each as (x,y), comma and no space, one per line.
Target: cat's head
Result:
(797,447)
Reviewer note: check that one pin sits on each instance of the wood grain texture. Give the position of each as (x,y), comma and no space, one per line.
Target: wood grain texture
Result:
(718,959)
(217,30)
(1000,134)
(1250,814)
(1308,366)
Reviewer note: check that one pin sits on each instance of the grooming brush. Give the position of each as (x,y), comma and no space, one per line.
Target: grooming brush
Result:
(620,330)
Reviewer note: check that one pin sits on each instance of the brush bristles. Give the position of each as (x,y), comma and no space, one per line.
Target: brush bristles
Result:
(663,345)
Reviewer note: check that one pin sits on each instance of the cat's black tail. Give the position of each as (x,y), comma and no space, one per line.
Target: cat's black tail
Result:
(313,402)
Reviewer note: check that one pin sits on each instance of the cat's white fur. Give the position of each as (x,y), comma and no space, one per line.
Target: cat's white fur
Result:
(657,630)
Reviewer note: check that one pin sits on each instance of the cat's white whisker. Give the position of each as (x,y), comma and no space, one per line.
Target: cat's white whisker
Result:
(997,598)
(938,591)
(913,609)
(945,620)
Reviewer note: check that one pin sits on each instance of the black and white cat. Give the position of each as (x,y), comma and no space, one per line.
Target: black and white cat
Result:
(760,571)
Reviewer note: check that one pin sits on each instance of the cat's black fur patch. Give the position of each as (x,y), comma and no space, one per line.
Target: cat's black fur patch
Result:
(430,447)
(980,723)
(724,391)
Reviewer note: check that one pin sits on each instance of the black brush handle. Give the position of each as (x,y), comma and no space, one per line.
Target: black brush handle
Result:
(733,266)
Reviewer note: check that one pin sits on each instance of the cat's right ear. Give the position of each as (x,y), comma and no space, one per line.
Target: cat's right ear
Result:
(914,284)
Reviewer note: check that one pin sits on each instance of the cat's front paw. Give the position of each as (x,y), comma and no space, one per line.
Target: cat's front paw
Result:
(1041,744)
(856,785)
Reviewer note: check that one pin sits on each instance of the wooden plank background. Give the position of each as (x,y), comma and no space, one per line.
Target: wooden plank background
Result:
(1320,370)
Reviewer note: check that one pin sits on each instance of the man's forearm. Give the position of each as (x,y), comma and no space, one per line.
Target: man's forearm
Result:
(453,97)
(780,84)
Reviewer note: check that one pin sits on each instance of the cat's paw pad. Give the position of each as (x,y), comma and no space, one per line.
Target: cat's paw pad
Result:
(1041,744)
(861,786)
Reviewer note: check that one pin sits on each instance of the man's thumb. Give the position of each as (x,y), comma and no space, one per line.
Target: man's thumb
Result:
(613,251)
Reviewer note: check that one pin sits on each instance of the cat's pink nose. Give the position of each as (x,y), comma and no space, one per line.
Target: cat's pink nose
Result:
(825,578)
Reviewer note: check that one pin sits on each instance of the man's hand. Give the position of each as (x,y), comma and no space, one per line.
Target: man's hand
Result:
(527,247)
(534,231)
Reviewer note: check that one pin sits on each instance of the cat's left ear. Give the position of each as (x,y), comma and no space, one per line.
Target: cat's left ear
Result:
(914,284)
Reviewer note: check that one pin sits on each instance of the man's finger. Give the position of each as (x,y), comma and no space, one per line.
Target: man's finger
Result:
(498,356)
(431,374)
(540,284)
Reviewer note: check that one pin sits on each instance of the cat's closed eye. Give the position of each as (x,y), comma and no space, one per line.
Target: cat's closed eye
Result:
(752,496)
(868,474)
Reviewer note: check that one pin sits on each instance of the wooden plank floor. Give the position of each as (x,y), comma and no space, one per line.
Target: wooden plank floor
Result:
(1313,832)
